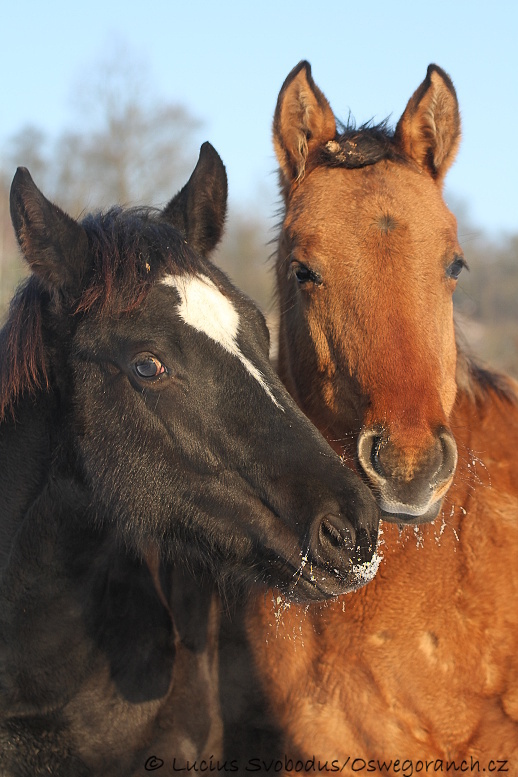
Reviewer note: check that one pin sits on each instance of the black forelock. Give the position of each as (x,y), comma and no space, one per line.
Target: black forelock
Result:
(130,248)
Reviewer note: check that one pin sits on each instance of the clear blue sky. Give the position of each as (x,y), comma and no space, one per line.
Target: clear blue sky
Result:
(226,61)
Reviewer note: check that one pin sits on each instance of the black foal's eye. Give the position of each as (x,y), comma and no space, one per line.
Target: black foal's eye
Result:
(455,268)
(148,367)
(304,274)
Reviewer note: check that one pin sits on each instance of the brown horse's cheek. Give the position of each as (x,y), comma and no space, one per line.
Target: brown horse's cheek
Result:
(449,391)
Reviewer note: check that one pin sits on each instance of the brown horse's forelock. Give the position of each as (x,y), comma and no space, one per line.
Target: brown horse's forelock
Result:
(362,146)
(129,250)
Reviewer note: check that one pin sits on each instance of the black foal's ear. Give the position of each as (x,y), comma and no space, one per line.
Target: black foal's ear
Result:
(54,244)
(199,209)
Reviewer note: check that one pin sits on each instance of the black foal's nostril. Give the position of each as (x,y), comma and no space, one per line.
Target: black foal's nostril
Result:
(364,545)
(335,539)
(329,534)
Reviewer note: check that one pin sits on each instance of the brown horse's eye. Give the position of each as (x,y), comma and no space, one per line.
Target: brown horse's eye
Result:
(304,274)
(148,367)
(455,268)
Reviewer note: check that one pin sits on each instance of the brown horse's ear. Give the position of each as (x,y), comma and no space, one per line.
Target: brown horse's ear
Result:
(200,208)
(53,243)
(303,121)
(429,130)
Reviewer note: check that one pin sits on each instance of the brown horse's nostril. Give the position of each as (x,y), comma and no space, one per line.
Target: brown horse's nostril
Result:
(370,443)
(377,442)
(449,457)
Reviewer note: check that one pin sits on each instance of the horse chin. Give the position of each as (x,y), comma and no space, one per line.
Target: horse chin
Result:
(414,518)
(306,591)
(321,584)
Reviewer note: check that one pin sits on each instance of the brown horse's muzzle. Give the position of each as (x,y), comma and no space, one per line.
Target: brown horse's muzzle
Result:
(409,483)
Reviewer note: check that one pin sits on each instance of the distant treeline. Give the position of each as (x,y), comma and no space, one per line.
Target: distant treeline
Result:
(487,299)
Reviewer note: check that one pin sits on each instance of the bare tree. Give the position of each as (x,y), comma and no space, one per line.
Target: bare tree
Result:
(244,256)
(127,146)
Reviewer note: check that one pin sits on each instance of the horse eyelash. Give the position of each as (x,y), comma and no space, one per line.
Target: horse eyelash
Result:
(312,276)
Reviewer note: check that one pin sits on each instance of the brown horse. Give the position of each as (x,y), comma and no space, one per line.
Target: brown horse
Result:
(421,665)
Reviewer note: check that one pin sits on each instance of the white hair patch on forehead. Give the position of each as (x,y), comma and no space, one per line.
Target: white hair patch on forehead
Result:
(204,307)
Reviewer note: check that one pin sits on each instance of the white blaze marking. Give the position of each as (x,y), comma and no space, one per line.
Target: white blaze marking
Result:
(205,308)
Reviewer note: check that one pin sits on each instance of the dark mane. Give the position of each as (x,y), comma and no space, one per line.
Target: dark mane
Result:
(488,380)
(355,147)
(22,351)
(128,250)
(478,382)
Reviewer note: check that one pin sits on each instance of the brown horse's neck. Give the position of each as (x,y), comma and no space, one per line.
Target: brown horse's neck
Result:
(485,425)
